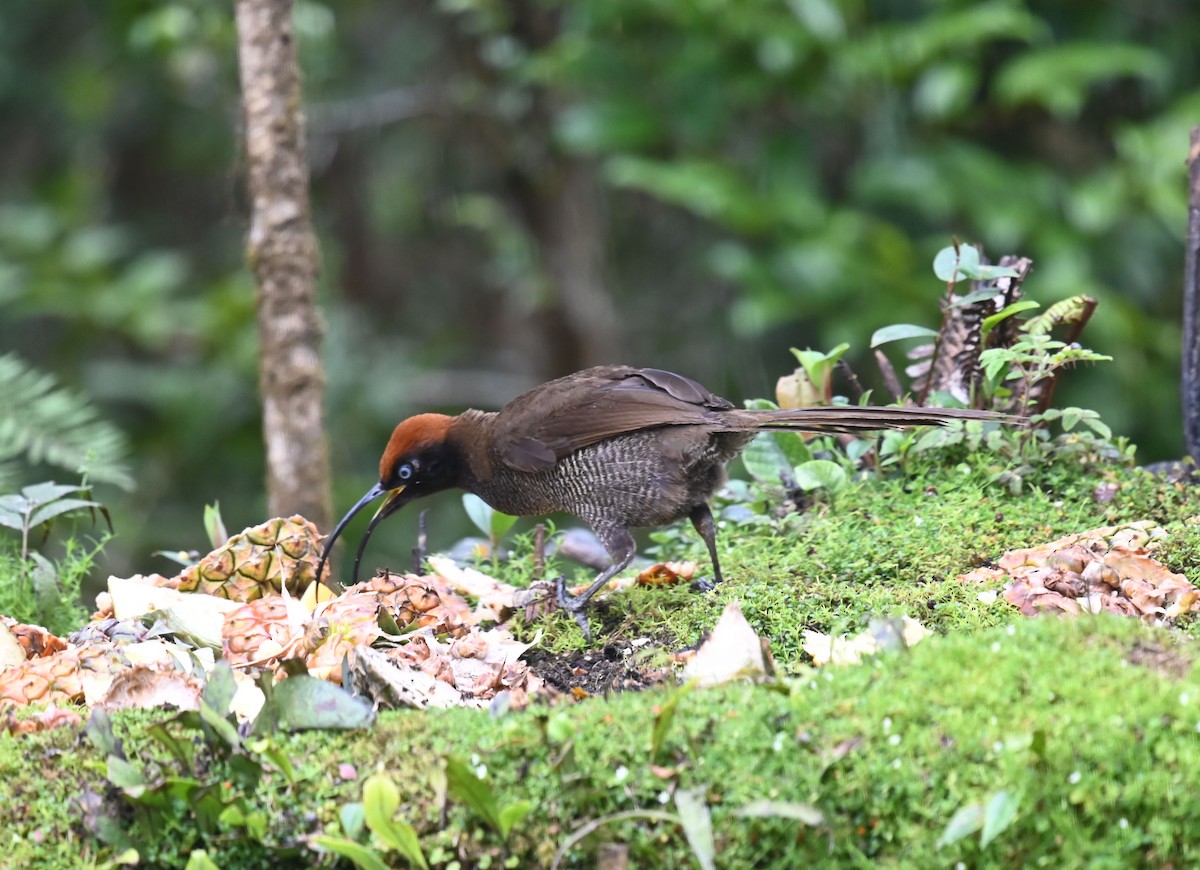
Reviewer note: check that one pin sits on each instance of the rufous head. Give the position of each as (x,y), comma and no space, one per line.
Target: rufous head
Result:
(418,461)
(411,438)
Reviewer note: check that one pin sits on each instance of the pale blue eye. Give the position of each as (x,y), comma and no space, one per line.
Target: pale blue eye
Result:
(404,472)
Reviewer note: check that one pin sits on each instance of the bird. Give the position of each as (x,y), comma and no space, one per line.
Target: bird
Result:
(620,447)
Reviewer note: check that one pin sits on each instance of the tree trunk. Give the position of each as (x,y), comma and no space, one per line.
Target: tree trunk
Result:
(282,252)
(1191,307)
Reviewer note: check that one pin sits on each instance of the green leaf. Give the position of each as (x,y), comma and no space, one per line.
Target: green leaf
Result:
(199,860)
(1061,77)
(665,718)
(989,323)
(381,799)
(353,817)
(44,493)
(899,332)
(99,730)
(54,509)
(277,755)
(180,750)
(990,272)
(771,454)
(999,812)
(817,364)
(501,523)
(302,703)
(125,775)
(964,823)
(513,814)
(220,688)
(696,820)
(361,856)
(479,511)
(464,785)
(804,813)
(820,474)
(1070,417)
(951,265)
(974,297)
(214,526)
(218,726)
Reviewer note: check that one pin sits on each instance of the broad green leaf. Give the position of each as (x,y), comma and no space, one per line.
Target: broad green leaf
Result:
(302,703)
(1070,417)
(220,688)
(199,860)
(696,820)
(955,265)
(999,812)
(479,511)
(352,816)
(513,814)
(57,508)
(99,730)
(964,823)
(125,775)
(381,799)
(804,813)
(464,785)
(43,493)
(900,331)
(501,523)
(771,454)
(820,474)
(12,519)
(361,856)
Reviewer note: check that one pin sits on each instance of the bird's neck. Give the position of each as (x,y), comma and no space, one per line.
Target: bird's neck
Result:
(471,435)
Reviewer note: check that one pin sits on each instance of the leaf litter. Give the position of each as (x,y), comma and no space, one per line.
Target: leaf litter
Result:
(1109,569)
(397,639)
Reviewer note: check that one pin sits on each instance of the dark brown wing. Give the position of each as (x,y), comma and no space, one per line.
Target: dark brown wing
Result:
(565,415)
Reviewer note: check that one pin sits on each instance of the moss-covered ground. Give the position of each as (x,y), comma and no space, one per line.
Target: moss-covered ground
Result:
(1075,742)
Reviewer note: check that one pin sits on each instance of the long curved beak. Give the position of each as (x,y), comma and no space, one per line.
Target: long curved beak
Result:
(390,505)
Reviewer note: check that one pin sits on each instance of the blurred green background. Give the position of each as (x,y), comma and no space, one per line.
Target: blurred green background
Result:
(507,191)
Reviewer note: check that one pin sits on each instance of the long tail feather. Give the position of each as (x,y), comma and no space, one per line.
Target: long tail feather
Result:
(865,418)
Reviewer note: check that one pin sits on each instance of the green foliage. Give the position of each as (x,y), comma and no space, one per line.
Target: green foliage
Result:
(40,421)
(488,520)
(33,588)
(202,779)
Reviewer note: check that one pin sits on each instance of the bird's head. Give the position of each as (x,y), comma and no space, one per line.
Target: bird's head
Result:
(418,461)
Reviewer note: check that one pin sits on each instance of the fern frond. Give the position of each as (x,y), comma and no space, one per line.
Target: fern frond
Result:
(45,422)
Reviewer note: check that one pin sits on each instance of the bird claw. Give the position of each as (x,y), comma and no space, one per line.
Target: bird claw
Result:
(704,584)
(576,605)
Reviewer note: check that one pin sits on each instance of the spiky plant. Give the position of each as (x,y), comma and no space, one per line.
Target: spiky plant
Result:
(42,421)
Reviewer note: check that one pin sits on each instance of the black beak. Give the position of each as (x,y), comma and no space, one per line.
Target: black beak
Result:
(391,504)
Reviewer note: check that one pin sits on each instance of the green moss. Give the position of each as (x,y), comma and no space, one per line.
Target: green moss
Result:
(1091,724)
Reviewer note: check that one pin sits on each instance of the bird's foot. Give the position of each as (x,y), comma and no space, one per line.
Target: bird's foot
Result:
(576,605)
(704,584)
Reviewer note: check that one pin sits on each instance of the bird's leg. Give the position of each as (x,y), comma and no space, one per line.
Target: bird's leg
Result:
(702,519)
(621,546)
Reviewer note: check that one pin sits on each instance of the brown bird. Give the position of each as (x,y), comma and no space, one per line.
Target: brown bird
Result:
(619,447)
